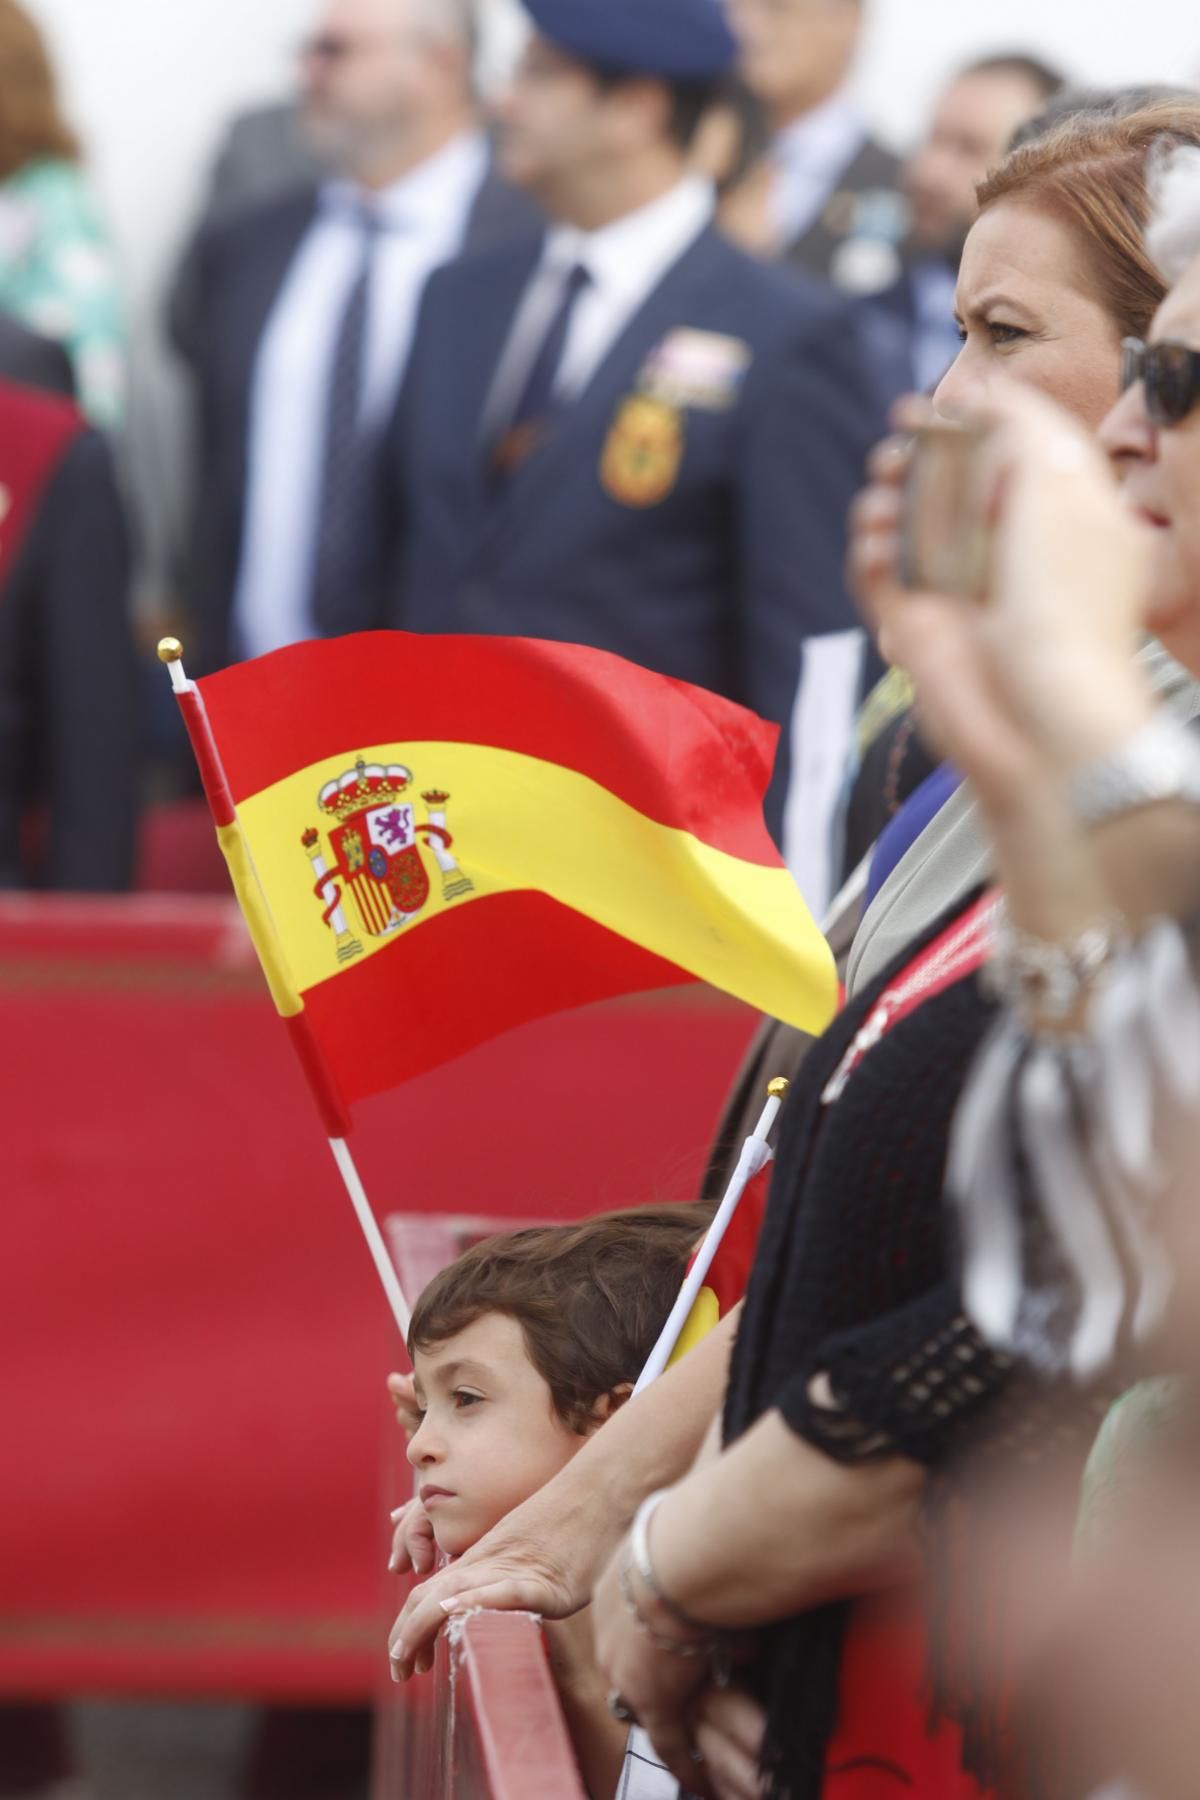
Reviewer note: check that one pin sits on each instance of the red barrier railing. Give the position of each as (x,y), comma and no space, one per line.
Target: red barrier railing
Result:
(485,1724)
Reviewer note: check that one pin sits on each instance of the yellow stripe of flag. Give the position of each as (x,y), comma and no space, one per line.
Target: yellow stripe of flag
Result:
(522,823)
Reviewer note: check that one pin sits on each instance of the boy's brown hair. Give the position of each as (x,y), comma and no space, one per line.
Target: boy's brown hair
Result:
(591,1299)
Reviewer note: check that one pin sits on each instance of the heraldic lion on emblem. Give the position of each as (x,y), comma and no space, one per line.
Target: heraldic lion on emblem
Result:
(376,844)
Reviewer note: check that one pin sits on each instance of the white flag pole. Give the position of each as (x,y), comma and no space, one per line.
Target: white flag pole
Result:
(384,1265)
(756,1154)
(261,926)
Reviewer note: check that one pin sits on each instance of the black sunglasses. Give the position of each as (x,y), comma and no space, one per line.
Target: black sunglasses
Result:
(1170,374)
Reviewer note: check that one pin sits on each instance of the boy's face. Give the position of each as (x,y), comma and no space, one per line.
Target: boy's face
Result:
(489,1435)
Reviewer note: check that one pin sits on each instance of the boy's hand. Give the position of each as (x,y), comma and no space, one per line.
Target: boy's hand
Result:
(402,1393)
(413,1545)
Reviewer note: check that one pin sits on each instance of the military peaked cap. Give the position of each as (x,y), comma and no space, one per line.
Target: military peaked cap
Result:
(671,40)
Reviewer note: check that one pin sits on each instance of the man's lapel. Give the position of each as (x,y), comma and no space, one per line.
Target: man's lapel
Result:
(887,326)
(488,316)
(263,272)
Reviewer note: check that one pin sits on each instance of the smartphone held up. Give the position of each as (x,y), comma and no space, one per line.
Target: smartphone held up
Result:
(945,531)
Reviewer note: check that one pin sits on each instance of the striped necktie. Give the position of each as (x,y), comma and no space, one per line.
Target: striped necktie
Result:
(342,559)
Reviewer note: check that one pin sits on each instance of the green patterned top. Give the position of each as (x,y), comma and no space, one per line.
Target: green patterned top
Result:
(58,276)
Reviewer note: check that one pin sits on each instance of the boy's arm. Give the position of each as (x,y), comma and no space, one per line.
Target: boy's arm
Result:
(545,1556)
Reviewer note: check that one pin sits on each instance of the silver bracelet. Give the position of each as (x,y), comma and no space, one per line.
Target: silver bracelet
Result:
(639,1550)
(1050,980)
(662,1640)
(1160,762)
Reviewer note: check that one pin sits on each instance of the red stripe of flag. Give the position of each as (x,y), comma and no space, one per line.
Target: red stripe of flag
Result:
(678,754)
(463,977)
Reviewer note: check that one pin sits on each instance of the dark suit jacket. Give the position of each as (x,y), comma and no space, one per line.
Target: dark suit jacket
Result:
(262,157)
(32,360)
(888,324)
(67,671)
(814,252)
(240,269)
(721,579)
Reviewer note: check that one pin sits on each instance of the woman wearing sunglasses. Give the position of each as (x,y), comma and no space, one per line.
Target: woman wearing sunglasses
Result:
(1074,1154)
(1054,275)
(1146,435)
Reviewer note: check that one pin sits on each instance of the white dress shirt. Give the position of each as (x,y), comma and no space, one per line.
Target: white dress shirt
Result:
(810,157)
(626,261)
(423,221)
(821,733)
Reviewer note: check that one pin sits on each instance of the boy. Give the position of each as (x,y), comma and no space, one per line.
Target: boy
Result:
(521,1350)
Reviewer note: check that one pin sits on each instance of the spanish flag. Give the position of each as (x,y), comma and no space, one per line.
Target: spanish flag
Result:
(435,839)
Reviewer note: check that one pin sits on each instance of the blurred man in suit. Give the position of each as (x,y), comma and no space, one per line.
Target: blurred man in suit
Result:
(629,434)
(834,207)
(68,778)
(303,320)
(263,156)
(911,327)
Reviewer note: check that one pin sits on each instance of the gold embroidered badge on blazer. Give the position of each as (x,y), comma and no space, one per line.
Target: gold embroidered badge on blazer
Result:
(643,451)
(689,370)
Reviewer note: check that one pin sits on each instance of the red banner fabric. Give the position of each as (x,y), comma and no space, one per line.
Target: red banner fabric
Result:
(192,1330)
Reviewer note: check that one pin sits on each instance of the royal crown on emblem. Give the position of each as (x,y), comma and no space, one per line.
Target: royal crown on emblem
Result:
(366,784)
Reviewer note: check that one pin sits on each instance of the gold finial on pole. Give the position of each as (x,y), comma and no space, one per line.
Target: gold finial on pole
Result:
(779,1087)
(169,650)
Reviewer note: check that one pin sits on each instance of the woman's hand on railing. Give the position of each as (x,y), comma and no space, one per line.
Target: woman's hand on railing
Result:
(524,1564)
(413,1544)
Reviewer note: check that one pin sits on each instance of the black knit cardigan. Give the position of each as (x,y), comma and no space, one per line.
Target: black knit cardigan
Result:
(855,1278)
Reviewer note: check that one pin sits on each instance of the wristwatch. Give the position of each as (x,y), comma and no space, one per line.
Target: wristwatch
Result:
(1159,762)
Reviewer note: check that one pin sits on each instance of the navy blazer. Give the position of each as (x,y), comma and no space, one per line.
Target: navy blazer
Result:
(718,581)
(68,675)
(240,267)
(872,169)
(888,324)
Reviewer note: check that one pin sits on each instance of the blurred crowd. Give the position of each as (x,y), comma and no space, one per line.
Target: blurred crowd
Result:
(609,361)
(598,359)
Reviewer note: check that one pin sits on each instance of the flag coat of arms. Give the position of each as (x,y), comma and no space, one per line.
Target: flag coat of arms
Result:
(436,839)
